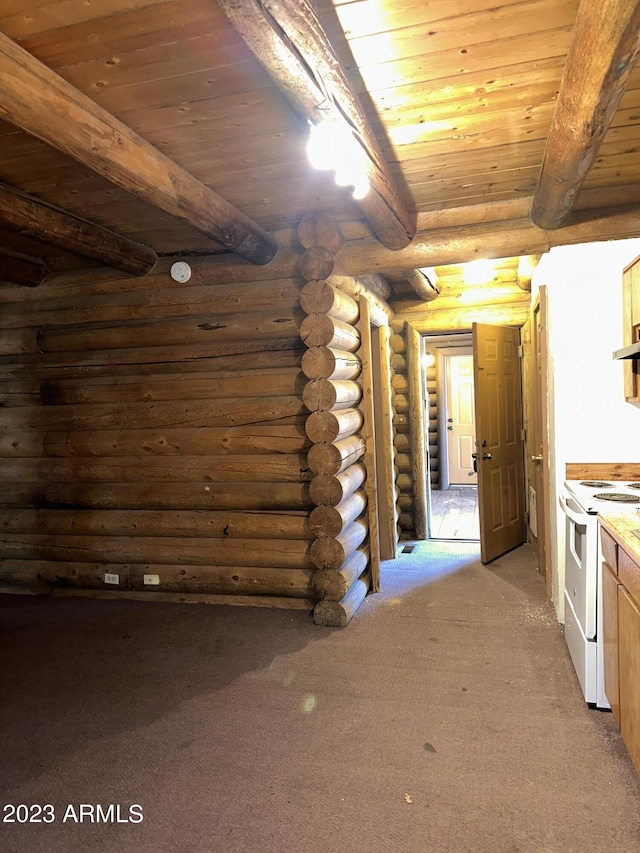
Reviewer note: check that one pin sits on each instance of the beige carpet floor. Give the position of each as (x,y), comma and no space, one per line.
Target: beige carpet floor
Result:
(445,717)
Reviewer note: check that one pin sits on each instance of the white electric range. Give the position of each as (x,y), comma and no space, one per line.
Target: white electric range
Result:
(581,501)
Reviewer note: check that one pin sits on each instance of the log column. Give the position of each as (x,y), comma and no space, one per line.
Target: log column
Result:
(402,441)
(333,395)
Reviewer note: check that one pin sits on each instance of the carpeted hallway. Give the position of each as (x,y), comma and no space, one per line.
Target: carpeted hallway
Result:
(446,717)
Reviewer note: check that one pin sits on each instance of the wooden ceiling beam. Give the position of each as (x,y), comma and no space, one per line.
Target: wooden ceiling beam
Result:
(602,55)
(487,239)
(38,220)
(289,42)
(424,282)
(19,270)
(43,104)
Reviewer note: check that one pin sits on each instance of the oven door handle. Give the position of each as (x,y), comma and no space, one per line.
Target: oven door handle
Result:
(577,519)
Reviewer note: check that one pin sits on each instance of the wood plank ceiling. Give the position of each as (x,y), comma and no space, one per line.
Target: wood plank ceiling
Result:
(459,93)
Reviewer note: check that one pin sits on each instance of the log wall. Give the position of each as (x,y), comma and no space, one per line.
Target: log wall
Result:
(433,394)
(402,438)
(153,437)
(335,366)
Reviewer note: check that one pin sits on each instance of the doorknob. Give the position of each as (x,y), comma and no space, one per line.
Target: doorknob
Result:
(450,428)
(487,456)
(536,458)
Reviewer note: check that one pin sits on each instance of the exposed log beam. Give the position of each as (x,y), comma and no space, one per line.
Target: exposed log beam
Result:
(424,282)
(288,40)
(48,224)
(43,104)
(603,52)
(501,238)
(24,271)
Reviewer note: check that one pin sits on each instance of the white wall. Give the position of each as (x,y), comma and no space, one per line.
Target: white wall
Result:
(589,420)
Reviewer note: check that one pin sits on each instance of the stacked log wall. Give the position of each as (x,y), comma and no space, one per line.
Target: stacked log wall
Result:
(402,439)
(335,426)
(431,374)
(154,432)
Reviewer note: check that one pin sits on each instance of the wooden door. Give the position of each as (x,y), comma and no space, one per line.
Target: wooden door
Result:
(460,415)
(499,444)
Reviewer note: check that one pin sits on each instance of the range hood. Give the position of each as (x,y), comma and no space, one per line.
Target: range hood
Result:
(632,351)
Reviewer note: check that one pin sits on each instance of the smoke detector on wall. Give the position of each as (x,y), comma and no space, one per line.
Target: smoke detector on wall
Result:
(180,271)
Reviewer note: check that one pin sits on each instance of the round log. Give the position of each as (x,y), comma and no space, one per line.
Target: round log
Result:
(426,286)
(320,330)
(338,614)
(320,297)
(398,343)
(405,483)
(44,575)
(203,441)
(380,311)
(332,520)
(157,522)
(401,442)
(185,414)
(317,230)
(326,490)
(400,403)
(328,458)
(331,426)
(374,283)
(400,383)
(326,363)
(405,503)
(330,553)
(399,363)
(403,462)
(222,496)
(170,387)
(267,553)
(406,520)
(235,470)
(207,329)
(327,394)
(317,262)
(333,586)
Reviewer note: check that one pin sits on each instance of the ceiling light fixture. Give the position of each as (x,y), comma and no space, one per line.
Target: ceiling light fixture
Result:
(333,147)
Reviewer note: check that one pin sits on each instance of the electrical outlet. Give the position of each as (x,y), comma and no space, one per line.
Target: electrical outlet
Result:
(151,580)
(111,578)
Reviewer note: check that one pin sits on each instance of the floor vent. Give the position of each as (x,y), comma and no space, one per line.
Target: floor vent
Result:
(408,549)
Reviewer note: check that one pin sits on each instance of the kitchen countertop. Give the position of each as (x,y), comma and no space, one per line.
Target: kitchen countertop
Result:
(621,527)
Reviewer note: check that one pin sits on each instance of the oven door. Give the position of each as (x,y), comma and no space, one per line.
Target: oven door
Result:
(581,563)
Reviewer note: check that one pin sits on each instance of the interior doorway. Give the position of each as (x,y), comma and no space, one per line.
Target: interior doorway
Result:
(459,432)
(452,486)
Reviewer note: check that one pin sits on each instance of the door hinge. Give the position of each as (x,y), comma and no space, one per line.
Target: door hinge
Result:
(523,435)
(520,351)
